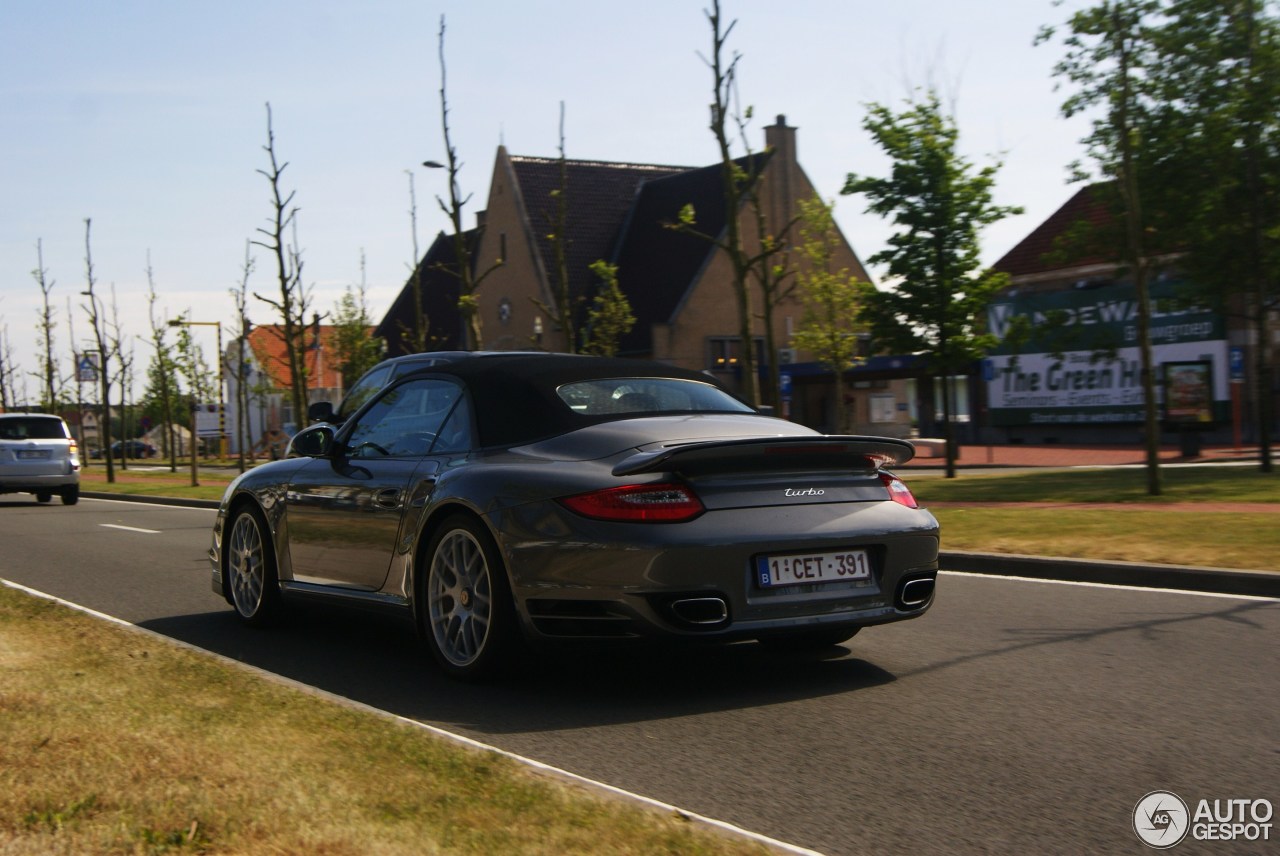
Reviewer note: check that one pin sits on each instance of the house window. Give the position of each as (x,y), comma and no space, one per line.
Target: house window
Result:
(726,352)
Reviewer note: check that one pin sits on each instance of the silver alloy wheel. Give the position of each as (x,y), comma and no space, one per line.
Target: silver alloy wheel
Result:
(246,565)
(459,597)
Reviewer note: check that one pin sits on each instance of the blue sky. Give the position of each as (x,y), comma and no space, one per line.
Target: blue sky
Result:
(148,116)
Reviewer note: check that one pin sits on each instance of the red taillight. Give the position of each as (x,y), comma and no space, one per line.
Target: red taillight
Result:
(898,491)
(638,503)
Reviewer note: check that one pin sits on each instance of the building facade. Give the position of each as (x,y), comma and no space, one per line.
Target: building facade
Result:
(679,285)
(1068,365)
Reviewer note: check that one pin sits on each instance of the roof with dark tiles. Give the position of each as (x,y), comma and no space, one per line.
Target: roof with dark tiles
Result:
(617,211)
(1038,253)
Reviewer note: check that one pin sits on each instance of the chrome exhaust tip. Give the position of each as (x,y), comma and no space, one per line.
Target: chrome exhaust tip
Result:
(700,610)
(916,593)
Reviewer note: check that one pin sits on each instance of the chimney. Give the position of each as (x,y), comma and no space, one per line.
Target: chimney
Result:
(782,175)
(781,139)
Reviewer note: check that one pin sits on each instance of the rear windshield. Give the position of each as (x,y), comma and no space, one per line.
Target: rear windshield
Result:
(656,395)
(32,428)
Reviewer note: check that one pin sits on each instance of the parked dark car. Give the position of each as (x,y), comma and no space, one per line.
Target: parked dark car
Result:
(131,448)
(502,498)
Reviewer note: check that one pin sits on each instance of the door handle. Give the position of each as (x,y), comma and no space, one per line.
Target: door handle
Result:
(388,497)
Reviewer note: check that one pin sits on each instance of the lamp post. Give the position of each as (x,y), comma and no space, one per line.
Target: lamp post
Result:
(222,410)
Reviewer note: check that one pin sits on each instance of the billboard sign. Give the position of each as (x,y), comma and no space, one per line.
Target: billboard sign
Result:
(1077,360)
(1188,391)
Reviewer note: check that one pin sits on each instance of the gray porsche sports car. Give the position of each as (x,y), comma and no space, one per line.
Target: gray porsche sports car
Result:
(497,499)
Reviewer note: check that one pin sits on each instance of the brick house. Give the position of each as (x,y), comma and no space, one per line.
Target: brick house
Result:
(680,286)
(269,380)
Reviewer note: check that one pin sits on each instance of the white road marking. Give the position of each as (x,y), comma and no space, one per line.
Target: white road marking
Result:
(129,528)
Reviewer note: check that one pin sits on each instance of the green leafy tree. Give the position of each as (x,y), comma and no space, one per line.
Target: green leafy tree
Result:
(832,297)
(1111,63)
(938,205)
(1217,165)
(610,317)
(357,350)
(200,379)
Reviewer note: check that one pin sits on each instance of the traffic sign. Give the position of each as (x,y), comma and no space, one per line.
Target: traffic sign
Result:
(1236,363)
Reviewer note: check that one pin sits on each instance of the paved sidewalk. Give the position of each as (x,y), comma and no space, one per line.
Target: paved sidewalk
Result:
(929,454)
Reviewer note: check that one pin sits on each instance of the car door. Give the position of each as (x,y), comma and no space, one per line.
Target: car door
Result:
(345,513)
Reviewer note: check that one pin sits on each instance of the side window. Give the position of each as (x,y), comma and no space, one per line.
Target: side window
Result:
(364,390)
(456,435)
(406,421)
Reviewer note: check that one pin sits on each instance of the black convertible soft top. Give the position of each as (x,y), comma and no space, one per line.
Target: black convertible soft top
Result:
(515,395)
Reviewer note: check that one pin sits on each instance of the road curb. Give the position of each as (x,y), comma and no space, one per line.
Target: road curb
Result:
(158,500)
(1190,578)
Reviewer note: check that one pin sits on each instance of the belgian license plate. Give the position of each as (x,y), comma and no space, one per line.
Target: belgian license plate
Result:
(34,455)
(795,569)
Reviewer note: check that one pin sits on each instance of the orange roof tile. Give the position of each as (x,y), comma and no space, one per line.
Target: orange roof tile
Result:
(267,343)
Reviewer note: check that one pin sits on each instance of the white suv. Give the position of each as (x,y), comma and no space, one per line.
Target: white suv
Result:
(38,455)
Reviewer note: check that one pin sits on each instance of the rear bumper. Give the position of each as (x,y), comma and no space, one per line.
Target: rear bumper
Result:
(38,484)
(699,579)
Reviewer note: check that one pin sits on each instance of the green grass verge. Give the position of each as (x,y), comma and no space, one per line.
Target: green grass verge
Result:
(117,742)
(1181,484)
(1215,539)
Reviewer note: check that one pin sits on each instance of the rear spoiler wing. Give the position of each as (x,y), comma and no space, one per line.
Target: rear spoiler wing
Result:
(790,453)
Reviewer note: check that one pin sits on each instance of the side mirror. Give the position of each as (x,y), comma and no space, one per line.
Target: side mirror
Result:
(315,442)
(321,411)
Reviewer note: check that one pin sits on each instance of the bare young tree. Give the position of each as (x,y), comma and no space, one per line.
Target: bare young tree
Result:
(294,300)
(104,354)
(563,307)
(164,368)
(241,296)
(416,335)
(740,183)
(734,179)
(76,358)
(8,370)
(468,281)
(51,383)
(124,361)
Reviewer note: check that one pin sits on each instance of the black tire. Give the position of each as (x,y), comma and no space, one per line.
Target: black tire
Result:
(809,640)
(465,605)
(249,563)
(70,494)
(43,496)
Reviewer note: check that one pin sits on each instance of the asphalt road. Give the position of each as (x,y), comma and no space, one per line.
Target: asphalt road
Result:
(1014,717)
